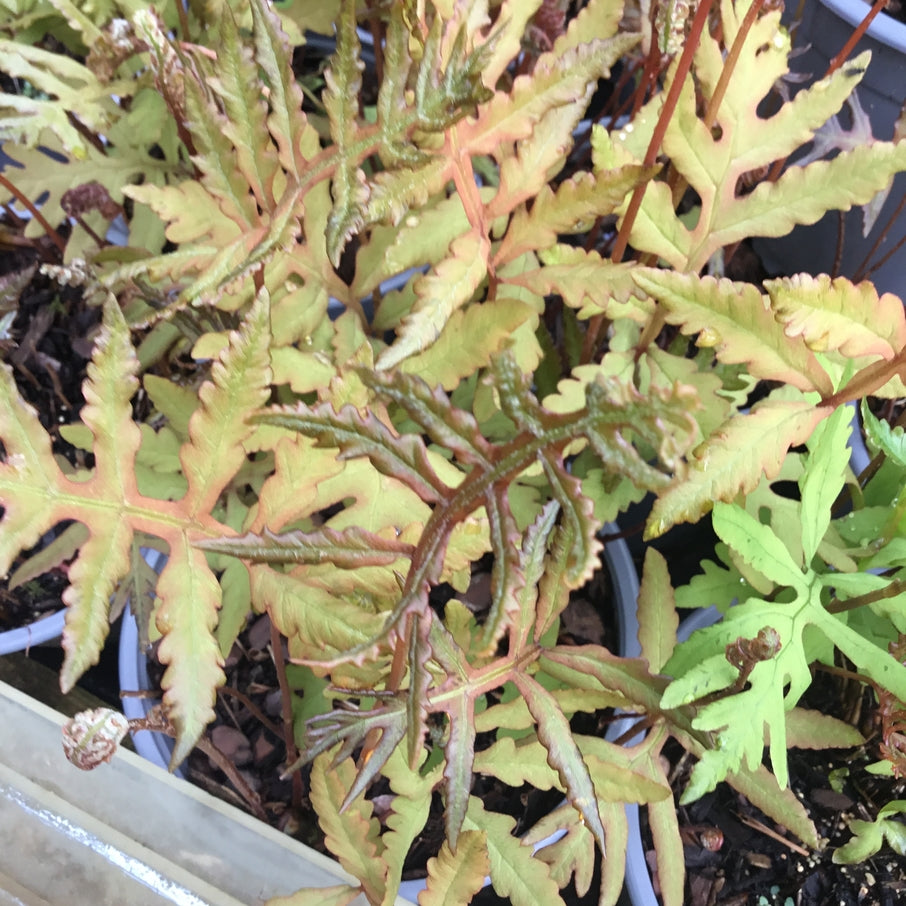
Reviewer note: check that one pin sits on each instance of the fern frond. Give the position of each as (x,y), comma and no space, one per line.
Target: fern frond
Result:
(341,101)
(746,142)
(734,459)
(70,85)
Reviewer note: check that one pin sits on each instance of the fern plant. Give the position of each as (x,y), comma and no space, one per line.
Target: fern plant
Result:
(521,389)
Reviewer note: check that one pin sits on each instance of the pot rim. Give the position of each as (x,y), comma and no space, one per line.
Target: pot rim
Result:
(44,629)
(884,29)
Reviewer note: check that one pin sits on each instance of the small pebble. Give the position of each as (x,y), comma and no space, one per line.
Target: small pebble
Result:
(263,748)
(273,704)
(234,657)
(259,635)
(233,743)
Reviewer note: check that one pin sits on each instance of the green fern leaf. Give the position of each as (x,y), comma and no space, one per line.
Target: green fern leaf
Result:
(516,765)
(448,360)
(563,754)
(455,876)
(363,435)
(746,142)
(701,663)
(239,386)
(838,315)
(71,85)
(891,440)
(823,478)
(113,171)
(341,101)
(572,855)
(508,39)
(246,205)
(514,873)
(35,494)
(459,753)
(193,215)
(572,208)
(810,729)
(105,557)
(665,832)
(217,157)
(613,869)
(554,82)
(190,597)
(869,836)
(351,834)
(346,550)
(598,19)
(312,610)
(733,318)
(28,474)
(578,520)
(733,460)
(411,806)
(784,806)
(587,282)
(451,428)
(112,509)
(440,294)
(658,619)
(296,141)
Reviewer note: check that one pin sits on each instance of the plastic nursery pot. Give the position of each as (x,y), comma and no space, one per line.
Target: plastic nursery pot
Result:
(826,25)
(24,637)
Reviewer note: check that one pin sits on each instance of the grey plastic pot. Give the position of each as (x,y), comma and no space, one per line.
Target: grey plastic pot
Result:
(826,25)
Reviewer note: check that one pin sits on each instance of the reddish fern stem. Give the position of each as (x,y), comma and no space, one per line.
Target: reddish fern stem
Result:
(893,718)
(183,21)
(867,267)
(596,325)
(256,712)
(660,129)
(855,37)
(286,705)
(249,796)
(51,232)
(730,63)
